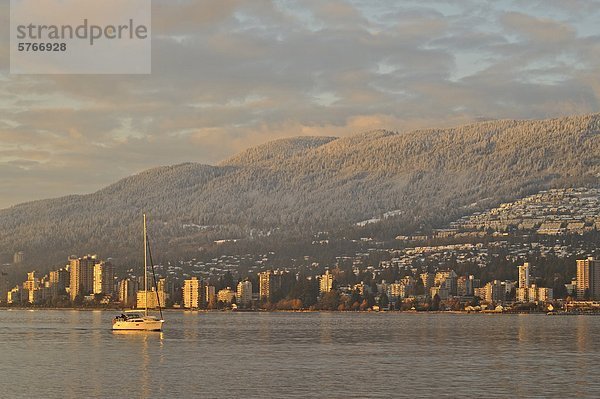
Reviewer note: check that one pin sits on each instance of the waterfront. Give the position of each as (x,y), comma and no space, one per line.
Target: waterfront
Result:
(74,354)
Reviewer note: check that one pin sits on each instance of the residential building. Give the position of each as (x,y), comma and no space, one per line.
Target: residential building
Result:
(572,288)
(428,280)
(244,293)
(128,289)
(270,282)
(32,283)
(465,285)
(210,296)
(166,286)
(524,275)
(15,295)
(226,295)
(439,290)
(545,294)
(539,294)
(402,289)
(192,293)
(588,279)
(150,299)
(448,278)
(82,275)
(104,276)
(522,294)
(494,291)
(326,282)
(265,281)
(396,291)
(59,279)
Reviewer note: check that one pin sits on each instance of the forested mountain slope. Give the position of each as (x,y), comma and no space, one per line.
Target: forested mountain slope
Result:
(311,183)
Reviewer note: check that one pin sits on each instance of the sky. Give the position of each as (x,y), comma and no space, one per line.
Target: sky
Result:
(229,74)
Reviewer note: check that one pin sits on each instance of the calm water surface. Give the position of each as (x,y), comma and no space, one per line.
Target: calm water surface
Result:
(73,354)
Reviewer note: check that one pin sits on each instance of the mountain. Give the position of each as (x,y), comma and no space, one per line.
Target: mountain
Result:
(306,184)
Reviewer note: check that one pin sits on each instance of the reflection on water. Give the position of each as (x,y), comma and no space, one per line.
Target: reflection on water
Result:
(72,354)
(325,327)
(581,326)
(139,334)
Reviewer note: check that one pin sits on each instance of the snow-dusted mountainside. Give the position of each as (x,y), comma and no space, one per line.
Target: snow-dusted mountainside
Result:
(310,183)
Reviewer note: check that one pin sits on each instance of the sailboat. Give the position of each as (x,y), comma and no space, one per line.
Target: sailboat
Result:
(136,319)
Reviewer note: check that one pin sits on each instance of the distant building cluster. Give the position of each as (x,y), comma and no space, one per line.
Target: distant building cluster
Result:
(198,294)
(438,270)
(79,278)
(528,292)
(85,279)
(552,212)
(88,279)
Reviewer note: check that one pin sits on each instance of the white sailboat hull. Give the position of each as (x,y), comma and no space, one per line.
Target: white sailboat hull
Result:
(144,324)
(135,320)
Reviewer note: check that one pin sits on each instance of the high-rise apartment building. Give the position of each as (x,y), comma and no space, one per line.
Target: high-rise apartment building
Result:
(588,279)
(192,293)
(104,276)
(326,282)
(244,293)
(493,291)
(271,282)
(522,291)
(82,275)
(210,295)
(58,281)
(128,289)
(465,285)
(266,282)
(32,283)
(59,278)
(524,275)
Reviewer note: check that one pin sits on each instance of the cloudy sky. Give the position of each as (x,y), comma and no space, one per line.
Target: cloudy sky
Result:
(230,74)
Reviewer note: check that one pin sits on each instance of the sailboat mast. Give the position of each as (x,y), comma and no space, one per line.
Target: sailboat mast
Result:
(145,269)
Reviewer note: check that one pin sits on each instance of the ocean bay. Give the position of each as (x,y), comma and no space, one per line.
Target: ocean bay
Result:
(55,353)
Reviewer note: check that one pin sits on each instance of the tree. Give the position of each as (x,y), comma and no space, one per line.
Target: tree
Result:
(435,302)
(384,301)
(226,281)
(306,291)
(78,301)
(419,287)
(355,298)
(330,301)
(512,294)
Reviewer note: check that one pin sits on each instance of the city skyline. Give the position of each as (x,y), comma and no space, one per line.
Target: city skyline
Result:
(231,75)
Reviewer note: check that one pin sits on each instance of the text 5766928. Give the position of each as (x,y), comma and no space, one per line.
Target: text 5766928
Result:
(40,47)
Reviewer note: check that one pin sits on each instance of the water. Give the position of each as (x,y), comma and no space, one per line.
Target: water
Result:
(73,354)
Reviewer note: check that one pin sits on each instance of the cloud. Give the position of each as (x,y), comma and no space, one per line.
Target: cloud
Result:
(538,30)
(231,74)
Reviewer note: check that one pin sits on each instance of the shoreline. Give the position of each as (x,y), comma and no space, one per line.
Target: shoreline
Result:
(453,312)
